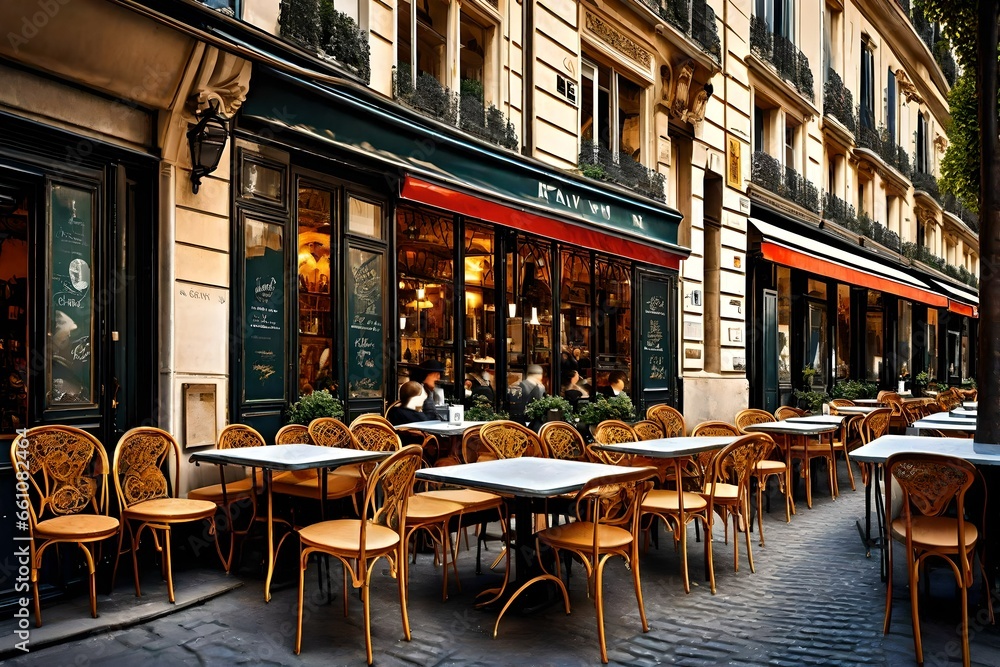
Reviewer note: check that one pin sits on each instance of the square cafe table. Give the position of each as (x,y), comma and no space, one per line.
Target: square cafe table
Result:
(524,479)
(282,458)
(880,449)
(676,449)
(945,421)
(803,431)
(856,409)
(448,430)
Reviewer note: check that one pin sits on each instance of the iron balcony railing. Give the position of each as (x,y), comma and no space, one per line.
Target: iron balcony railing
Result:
(599,163)
(694,18)
(785,182)
(790,63)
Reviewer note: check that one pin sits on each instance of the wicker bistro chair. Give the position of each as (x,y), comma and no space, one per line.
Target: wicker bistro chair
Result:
(62,473)
(607,525)
(612,432)
(561,440)
(433,516)
(370,417)
(340,483)
(235,436)
(648,429)
(770,466)
(509,440)
(931,484)
(428,441)
(146,502)
(293,434)
(359,543)
(671,421)
(727,489)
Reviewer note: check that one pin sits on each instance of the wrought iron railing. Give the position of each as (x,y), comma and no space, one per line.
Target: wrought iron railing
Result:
(599,163)
(921,253)
(927,183)
(879,142)
(838,101)
(330,34)
(930,35)
(694,18)
(790,63)
(785,182)
(839,211)
(465,110)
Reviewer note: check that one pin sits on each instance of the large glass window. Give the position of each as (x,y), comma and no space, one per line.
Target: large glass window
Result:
(817,346)
(610,108)
(904,339)
(613,289)
(426,28)
(364,218)
(931,348)
(425,266)
(874,330)
(842,351)
(529,325)
(784,325)
(574,291)
(480,299)
(867,86)
(317,369)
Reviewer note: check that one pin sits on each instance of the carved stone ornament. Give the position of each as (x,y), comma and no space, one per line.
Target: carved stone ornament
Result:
(907,88)
(866,169)
(926,215)
(618,40)
(940,143)
(666,76)
(697,112)
(681,89)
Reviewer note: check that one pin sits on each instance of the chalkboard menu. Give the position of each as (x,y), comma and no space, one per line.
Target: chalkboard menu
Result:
(70,376)
(365,339)
(655,341)
(263,312)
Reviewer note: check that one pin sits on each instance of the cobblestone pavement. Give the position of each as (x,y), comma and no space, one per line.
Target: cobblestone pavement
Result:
(815,599)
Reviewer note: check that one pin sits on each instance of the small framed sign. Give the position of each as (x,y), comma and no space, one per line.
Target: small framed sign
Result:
(199,415)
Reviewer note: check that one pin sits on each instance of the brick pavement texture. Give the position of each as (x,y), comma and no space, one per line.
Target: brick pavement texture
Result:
(815,599)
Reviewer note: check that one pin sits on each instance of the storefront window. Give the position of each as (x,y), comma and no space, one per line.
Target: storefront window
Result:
(613,288)
(930,349)
(784,325)
(425,265)
(316,326)
(71,307)
(842,354)
(14,253)
(364,218)
(480,303)
(574,319)
(365,342)
(816,342)
(965,350)
(874,329)
(529,327)
(904,337)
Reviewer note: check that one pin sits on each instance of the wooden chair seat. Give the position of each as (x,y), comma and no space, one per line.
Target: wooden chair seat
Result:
(769,467)
(422,508)
(337,486)
(77,527)
(170,509)
(471,501)
(343,536)
(936,532)
(237,490)
(580,535)
(434,515)
(667,500)
(724,493)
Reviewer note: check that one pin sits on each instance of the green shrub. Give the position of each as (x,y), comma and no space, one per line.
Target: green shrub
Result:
(814,400)
(619,407)
(482,411)
(854,389)
(312,406)
(539,408)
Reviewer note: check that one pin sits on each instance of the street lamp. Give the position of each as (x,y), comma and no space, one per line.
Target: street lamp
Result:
(207,140)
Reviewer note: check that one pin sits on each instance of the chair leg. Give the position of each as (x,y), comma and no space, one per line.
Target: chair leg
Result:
(118,556)
(709,561)
(135,559)
(365,601)
(303,558)
(965,624)
(599,602)
(169,566)
(888,591)
(761,485)
(749,545)
(634,563)
(403,576)
(92,575)
(914,610)
(850,471)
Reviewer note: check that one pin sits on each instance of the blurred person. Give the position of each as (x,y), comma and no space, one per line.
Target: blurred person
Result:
(615,386)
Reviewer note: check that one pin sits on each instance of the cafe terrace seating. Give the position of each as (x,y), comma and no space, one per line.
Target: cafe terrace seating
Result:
(235,436)
(325,432)
(428,441)
(607,525)
(785,412)
(66,471)
(770,466)
(147,501)
(931,484)
(358,543)
(647,429)
(293,434)
(561,440)
(671,421)
(612,432)
(509,440)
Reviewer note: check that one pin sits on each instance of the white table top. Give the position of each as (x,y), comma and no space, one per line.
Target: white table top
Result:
(440,427)
(286,457)
(792,428)
(856,409)
(970,404)
(966,413)
(818,419)
(879,449)
(668,448)
(954,425)
(527,476)
(948,418)
(867,401)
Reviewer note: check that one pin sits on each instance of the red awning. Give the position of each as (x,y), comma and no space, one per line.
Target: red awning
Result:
(801,260)
(962,308)
(449,199)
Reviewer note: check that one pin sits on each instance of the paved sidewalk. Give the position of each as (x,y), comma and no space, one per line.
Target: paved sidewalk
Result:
(814,600)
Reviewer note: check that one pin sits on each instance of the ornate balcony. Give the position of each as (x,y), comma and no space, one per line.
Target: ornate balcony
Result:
(331,35)
(785,182)
(599,163)
(790,63)
(838,101)
(837,210)
(922,254)
(879,142)
(694,18)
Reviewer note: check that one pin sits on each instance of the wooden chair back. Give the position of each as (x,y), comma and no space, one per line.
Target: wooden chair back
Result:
(66,470)
(784,412)
(330,432)
(509,440)
(752,416)
(561,440)
(875,424)
(387,491)
(236,436)
(293,434)
(473,448)
(369,417)
(376,436)
(671,421)
(735,464)
(141,456)
(648,429)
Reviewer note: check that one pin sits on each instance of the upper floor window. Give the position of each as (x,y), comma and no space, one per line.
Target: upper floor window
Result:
(922,163)
(610,106)
(779,15)
(890,104)
(422,44)
(867,87)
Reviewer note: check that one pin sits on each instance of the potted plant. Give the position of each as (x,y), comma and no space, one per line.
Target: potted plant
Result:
(482,410)
(808,373)
(619,407)
(920,382)
(854,389)
(549,408)
(811,400)
(319,403)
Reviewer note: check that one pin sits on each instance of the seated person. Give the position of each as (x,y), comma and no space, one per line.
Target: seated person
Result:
(409,409)
(571,390)
(615,386)
(428,373)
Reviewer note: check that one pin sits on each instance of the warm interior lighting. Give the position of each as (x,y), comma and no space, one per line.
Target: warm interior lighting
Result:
(512,309)
(534,316)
